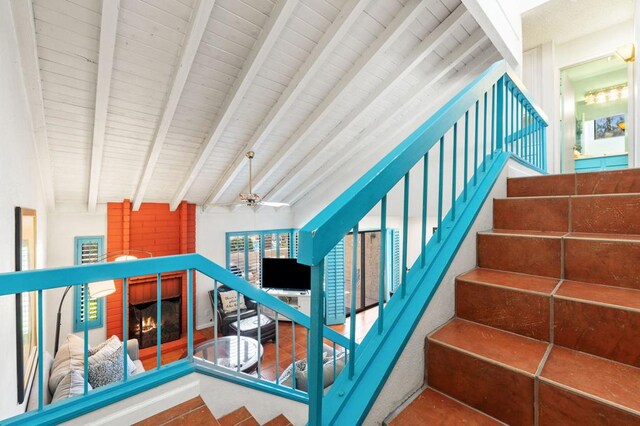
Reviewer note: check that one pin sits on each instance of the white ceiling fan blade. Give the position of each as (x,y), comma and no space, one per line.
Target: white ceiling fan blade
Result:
(271,204)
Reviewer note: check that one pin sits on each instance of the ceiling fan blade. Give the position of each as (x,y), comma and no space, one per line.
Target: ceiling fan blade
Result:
(270,204)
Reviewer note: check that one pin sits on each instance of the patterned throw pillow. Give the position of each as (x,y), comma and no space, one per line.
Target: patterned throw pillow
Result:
(230,301)
(107,371)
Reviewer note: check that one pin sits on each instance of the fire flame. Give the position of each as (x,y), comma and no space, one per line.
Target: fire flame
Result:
(148,324)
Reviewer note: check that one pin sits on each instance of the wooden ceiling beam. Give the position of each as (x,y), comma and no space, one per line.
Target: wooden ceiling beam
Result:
(399,108)
(331,38)
(265,42)
(197,27)
(24,24)
(415,58)
(108,30)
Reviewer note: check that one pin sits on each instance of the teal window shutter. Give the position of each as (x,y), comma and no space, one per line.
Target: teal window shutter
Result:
(334,285)
(87,250)
(393,256)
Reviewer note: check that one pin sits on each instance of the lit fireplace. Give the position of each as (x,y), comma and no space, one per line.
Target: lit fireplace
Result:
(143,320)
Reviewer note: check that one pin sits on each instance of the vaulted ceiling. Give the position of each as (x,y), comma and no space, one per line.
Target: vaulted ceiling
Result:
(158,100)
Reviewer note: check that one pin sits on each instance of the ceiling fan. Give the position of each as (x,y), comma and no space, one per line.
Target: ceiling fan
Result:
(251,199)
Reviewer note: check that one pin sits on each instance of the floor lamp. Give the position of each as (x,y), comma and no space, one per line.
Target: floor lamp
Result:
(97,289)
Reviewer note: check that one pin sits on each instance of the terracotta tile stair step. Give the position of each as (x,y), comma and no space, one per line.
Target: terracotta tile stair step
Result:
(600,320)
(488,369)
(534,186)
(191,412)
(509,301)
(527,252)
(614,214)
(613,182)
(580,389)
(531,213)
(608,259)
(434,408)
(238,417)
(280,420)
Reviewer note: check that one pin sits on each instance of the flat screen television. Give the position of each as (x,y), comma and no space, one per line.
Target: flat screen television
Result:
(285,274)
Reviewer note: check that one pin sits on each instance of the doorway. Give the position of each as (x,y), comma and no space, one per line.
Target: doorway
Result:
(595,106)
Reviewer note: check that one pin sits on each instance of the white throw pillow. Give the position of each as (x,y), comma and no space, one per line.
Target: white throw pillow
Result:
(71,385)
(107,351)
(70,356)
(230,300)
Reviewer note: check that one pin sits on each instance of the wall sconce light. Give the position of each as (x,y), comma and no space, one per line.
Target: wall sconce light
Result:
(608,94)
(627,52)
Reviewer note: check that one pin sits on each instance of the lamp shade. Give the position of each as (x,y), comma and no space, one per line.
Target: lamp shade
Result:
(101,289)
(125,257)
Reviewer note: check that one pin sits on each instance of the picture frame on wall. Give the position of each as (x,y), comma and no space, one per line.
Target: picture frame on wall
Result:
(26,303)
(609,127)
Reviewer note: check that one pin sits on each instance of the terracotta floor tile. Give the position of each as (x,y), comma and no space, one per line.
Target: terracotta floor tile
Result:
(536,214)
(503,393)
(507,253)
(541,185)
(613,214)
(433,408)
(235,417)
(612,263)
(542,285)
(509,349)
(608,295)
(173,412)
(561,407)
(618,181)
(608,380)
(517,311)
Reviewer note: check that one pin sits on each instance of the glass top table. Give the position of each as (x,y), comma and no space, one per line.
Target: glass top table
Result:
(224,352)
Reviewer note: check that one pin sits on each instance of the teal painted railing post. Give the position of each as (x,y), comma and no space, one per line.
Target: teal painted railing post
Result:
(190,314)
(315,353)
(500,119)
(544,148)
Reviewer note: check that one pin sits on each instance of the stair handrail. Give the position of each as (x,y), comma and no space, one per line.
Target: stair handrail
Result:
(518,128)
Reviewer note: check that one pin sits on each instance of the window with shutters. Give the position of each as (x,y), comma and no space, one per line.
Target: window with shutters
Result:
(246,249)
(87,250)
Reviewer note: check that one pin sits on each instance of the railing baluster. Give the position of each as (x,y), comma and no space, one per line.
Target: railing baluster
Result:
(238,330)
(475,148)
(454,170)
(500,115)
(125,326)
(484,133)
(334,362)
(513,116)
(493,120)
(85,324)
(41,352)
(466,154)
(440,183)
(405,237)
(190,314)
(352,316)
(293,356)
(382,290)
(215,322)
(277,350)
(159,322)
(259,337)
(425,191)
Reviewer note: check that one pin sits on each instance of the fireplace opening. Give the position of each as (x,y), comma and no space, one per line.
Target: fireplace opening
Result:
(143,321)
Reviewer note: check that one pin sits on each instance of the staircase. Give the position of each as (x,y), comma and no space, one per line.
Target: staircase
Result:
(196,412)
(547,328)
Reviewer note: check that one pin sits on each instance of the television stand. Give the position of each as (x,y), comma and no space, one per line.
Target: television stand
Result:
(297,299)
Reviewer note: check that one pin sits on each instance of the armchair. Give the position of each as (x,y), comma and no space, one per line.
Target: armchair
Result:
(225,319)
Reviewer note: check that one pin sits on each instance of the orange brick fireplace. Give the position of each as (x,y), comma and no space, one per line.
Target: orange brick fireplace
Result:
(156,229)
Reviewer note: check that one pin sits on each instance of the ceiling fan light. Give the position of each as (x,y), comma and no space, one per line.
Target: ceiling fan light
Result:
(249,197)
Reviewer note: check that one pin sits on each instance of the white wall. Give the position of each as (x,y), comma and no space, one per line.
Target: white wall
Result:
(408,374)
(64,226)
(541,74)
(211,229)
(20,186)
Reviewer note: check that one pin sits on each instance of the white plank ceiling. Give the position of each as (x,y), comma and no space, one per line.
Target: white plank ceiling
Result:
(158,100)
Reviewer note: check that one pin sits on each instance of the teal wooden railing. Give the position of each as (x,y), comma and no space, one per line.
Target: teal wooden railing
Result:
(40,281)
(472,137)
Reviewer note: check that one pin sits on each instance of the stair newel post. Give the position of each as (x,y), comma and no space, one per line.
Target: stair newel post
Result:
(315,346)
(500,118)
